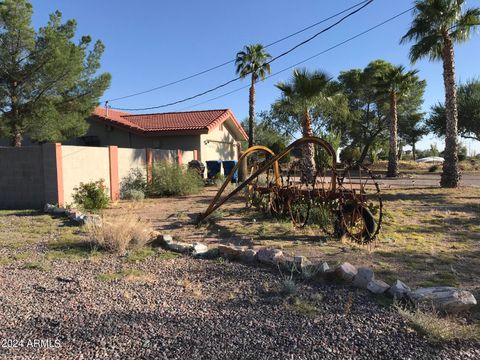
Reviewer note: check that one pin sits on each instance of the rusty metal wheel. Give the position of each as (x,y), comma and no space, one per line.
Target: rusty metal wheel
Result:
(361,206)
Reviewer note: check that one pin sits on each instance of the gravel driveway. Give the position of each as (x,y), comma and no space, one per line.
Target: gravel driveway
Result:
(195,309)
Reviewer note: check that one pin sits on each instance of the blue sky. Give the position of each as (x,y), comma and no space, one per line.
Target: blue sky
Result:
(151,42)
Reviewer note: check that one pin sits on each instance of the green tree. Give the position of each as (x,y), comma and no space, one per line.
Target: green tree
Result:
(437,25)
(253,61)
(48,83)
(468,102)
(411,128)
(304,93)
(268,134)
(395,83)
(368,107)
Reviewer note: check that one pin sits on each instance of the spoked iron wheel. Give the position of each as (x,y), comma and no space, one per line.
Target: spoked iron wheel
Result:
(360,204)
(298,196)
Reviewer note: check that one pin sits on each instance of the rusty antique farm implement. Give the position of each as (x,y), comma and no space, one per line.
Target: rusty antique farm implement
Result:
(339,202)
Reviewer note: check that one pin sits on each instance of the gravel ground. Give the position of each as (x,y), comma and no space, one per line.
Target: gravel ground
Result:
(195,309)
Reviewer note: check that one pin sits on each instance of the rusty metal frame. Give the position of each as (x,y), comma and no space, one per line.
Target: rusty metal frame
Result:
(215,204)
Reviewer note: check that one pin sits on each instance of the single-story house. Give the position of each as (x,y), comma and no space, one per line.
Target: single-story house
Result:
(211,134)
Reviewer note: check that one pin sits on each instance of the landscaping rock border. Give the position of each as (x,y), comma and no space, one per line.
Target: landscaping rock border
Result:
(446,299)
(443,298)
(74,215)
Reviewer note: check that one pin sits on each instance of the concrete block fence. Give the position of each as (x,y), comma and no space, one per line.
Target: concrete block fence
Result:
(32,176)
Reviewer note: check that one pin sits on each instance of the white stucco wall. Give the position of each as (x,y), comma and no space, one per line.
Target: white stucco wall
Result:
(219,144)
(129,159)
(83,164)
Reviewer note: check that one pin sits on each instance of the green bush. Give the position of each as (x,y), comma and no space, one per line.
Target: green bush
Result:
(219,179)
(135,181)
(91,196)
(132,194)
(172,179)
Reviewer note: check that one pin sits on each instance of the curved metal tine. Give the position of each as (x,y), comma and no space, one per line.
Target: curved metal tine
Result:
(358,216)
(360,179)
(350,181)
(311,139)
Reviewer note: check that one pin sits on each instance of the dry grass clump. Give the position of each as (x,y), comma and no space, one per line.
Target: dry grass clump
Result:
(119,233)
(437,328)
(192,288)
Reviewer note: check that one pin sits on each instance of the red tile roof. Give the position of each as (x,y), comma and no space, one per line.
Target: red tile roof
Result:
(190,122)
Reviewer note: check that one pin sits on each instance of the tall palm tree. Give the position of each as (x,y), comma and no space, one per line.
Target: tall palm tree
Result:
(252,60)
(395,83)
(437,25)
(299,96)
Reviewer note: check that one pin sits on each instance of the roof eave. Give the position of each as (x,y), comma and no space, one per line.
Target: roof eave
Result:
(228,114)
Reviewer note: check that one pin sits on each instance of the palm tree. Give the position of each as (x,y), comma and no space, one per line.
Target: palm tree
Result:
(395,83)
(252,60)
(437,25)
(299,96)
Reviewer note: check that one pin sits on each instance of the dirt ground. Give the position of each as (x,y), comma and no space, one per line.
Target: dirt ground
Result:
(430,236)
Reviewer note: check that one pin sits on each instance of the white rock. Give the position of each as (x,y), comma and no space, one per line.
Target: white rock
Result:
(363,277)
(199,249)
(270,256)
(398,290)
(74,215)
(323,267)
(249,255)
(444,298)
(179,247)
(80,219)
(287,263)
(166,238)
(346,272)
(229,251)
(90,219)
(377,286)
(48,208)
(301,263)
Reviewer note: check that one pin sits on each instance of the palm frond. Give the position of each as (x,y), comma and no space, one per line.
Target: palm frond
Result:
(430,46)
(253,59)
(462,29)
(436,19)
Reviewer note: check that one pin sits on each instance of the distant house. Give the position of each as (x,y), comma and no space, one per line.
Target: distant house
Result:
(211,134)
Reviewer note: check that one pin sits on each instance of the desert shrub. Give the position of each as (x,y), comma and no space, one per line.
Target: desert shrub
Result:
(136,181)
(120,233)
(433,168)
(91,196)
(288,286)
(132,194)
(219,179)
(173,179)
